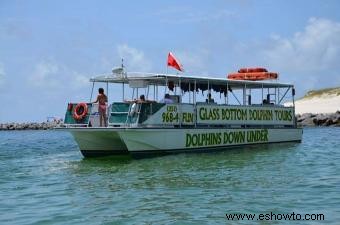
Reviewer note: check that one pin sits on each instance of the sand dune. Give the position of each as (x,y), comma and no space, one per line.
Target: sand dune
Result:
(320,101)
(327,104)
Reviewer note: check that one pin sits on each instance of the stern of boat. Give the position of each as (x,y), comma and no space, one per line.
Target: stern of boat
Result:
(94,142)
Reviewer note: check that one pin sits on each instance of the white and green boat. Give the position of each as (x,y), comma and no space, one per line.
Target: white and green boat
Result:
(243,113)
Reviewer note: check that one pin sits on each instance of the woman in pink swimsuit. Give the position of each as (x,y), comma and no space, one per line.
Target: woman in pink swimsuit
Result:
(102,100)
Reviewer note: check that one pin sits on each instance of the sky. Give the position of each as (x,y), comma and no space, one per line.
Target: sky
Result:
(50,49)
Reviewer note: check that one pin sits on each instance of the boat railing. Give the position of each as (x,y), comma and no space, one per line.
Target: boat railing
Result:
(70,119)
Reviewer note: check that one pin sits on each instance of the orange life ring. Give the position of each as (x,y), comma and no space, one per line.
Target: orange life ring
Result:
(80,111)
(253,76)
(252,70)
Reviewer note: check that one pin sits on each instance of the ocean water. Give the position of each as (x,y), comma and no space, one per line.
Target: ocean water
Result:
(45,180)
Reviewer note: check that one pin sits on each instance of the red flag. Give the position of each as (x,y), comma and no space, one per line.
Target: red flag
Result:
(172,61)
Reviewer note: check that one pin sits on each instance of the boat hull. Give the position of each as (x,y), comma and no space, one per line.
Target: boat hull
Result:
(151,141)
(99,142)
(140,142)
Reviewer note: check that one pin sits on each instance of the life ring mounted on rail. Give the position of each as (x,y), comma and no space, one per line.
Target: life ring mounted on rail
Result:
(80,111)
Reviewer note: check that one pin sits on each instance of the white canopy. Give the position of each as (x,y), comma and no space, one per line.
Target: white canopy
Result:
(185,80)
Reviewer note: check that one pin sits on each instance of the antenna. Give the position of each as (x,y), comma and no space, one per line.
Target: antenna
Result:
(119,71)
(123,73)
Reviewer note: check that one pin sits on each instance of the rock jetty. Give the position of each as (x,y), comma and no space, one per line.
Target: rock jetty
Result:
(303,120)
(31,126)
(311,119)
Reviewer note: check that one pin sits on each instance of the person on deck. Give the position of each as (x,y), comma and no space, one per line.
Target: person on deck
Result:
(167,99)
(209,99)
(102,100)
(140,100)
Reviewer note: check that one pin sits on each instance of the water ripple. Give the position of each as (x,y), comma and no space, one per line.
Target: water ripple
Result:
(45,180)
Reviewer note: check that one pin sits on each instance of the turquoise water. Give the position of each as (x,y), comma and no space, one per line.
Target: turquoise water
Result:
(45,180)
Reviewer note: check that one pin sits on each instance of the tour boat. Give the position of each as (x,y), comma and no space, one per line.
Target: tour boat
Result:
(242,113)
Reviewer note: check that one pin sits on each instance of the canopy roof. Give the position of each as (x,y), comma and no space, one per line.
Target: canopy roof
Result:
(187,82)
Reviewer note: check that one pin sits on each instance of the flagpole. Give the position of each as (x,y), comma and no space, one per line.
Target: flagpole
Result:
(166,75)
(167,64)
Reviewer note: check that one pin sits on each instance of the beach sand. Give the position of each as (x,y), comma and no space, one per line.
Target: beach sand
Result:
(320,104)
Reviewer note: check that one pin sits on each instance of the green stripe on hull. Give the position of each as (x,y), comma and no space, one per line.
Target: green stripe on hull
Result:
(100,153)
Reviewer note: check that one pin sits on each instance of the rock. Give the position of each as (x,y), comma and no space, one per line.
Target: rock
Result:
(320,119)
(308,122)
(304,116)
(328,122)
(3,127)
(26,126)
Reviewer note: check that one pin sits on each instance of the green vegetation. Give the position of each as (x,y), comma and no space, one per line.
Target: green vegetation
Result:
(320,92)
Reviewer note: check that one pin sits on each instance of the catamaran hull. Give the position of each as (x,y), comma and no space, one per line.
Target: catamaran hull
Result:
(145,141)
(93,142)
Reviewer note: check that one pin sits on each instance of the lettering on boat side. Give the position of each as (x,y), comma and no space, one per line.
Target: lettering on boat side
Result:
(224,114)
(171,115)
(248,115)
(226,138)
